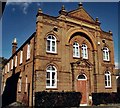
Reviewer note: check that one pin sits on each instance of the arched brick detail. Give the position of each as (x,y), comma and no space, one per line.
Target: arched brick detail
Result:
(52,33)
(72,31)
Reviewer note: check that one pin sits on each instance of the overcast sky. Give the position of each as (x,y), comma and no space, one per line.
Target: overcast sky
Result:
(19,20)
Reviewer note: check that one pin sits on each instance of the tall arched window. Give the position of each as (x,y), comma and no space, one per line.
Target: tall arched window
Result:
(28,51)
(51,44)
(84,51)
(106,54)
(107,79)
(19,84)
(76,51)
(51,77)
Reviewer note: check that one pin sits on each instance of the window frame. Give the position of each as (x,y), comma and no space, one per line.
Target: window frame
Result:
(20,84)
(21,56)
(12,64)
(108,82)
(106,54)
(8,67)
(16,57)
(51,41)
(51,79)
(28,51)
(26,83)
(84,51)
(76,50)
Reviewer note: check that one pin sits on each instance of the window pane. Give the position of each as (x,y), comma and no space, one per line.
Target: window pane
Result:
(53,38)
(53,69)
(74,51)
(49,37)
(77,53)
(109,83)
(81,77)
(48,82)
(53,48)
(53,82)
(48,75)
(105,77)
(48,45)
(53,75)
(106,83)
(109,77)
(53,43)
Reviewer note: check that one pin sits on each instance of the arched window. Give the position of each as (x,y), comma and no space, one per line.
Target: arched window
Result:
(19,84)
(51,44)
(106,54)
(82,77)
(76,51)
(51,77)
(84,51)
(28,51)
(107,79)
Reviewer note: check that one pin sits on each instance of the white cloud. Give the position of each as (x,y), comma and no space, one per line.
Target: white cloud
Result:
(13,9)
(38,4)
(23,5)
(117,65)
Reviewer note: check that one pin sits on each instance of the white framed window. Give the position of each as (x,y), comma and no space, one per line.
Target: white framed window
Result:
(107,79)
(8,67)
(19,84)
(21,57)
(12,64)
(16,61)
(51,77)
(106,54)
(51,44)
(28,51)
(26,84)
(84,51)
(76,50)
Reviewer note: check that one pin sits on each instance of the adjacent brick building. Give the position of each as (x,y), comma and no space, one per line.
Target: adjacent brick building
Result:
(66,53)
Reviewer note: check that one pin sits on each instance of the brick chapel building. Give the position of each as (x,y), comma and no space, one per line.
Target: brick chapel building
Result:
(66,53)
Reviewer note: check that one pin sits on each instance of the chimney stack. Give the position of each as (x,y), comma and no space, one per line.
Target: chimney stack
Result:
(14,45)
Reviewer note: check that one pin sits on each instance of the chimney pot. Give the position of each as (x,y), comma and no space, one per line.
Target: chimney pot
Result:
(14,45)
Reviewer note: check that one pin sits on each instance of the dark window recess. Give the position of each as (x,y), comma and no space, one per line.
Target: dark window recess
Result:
(55,29)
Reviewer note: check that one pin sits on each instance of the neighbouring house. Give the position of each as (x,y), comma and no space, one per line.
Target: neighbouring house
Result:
(69,52)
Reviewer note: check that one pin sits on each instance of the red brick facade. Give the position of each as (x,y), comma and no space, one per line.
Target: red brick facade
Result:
(66,29)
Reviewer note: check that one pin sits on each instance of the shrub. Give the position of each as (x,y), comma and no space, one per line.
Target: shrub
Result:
(105,98)
(57,99)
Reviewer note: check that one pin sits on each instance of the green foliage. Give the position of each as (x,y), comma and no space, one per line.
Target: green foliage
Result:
(105,98)
(57,99)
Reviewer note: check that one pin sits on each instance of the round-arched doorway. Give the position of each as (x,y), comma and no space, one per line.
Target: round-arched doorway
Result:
(82,87)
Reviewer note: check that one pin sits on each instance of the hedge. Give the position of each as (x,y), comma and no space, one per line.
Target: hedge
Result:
(105,98)
(57,99)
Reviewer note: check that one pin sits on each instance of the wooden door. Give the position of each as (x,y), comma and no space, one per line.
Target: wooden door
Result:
(82,87)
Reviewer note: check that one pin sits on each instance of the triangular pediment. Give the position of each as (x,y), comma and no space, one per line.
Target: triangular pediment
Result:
(84,63)
(80,13)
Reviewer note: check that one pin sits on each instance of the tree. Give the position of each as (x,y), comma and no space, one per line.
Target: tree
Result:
(2,62)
